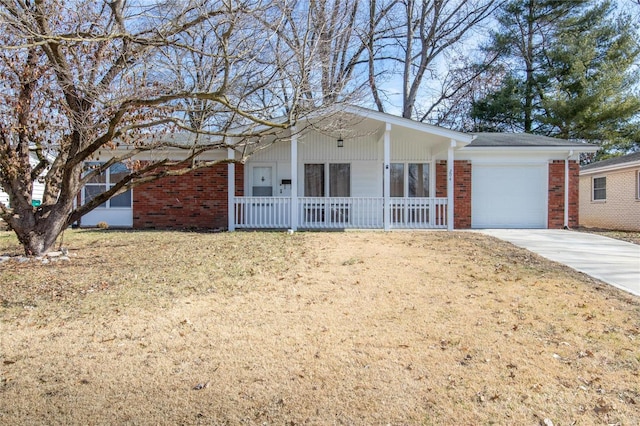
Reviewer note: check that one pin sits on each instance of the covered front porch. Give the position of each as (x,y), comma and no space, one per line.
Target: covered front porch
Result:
(372,171)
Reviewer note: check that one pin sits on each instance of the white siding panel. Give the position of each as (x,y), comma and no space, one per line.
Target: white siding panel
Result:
(36,194)
(38,191)
(409,150)
(120,217)
(323,148)
(366,179)
(279,151)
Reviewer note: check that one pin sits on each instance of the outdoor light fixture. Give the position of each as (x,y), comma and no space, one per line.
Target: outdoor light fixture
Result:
(340,142)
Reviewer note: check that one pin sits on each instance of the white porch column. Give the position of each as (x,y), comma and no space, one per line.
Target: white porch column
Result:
(294,179)
(231,190)
(386,178)
(450,184)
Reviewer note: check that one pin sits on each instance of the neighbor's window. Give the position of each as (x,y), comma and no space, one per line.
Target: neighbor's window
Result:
(102,182)
(599,188)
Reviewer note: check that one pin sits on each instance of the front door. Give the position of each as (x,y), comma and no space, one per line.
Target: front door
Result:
(262,181)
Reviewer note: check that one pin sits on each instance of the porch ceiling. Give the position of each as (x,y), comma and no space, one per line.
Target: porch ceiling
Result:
(352,121)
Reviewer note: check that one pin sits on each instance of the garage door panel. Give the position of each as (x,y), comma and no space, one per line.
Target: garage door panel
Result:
(509,196)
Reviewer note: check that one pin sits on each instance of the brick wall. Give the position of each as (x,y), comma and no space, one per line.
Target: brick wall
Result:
(441,178)
(462,194)
(555,214)
(195,200)
(461,190)
(621,209)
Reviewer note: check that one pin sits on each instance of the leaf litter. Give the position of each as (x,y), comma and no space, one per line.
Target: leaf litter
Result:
(316,328)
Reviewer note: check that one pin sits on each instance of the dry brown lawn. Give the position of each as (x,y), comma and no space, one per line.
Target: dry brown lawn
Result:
(629,236)
(361,328)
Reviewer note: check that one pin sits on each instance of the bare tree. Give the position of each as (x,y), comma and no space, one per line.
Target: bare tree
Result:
(82,77)
(425,35)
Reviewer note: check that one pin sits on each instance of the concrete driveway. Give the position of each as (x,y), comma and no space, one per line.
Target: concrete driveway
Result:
(612,261)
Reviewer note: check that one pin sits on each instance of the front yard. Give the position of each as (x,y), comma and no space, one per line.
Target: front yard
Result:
(311,328)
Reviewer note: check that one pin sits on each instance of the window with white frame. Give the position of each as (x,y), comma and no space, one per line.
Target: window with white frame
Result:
(105,181)
(338,184)
(409,180)
(599,185)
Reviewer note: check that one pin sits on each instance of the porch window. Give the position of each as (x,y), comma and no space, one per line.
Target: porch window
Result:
(340,180)
(316,184)
(314,180)
(397,180)
(414,184)
(339,183)
(599,189)
(105,181)
(418,180)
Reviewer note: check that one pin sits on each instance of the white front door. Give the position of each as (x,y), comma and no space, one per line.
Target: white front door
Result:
(262,181)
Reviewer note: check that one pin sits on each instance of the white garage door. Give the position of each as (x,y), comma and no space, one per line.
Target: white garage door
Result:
(509,196)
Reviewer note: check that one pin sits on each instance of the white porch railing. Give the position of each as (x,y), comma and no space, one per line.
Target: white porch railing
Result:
(262,212)
(413,213)
(340,212)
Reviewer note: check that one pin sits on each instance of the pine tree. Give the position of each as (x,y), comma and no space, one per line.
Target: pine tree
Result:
(569,73)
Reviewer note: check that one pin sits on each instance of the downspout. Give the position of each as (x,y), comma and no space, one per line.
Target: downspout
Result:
(566,190)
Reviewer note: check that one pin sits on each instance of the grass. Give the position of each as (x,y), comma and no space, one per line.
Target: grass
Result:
(311,328)
(629,236)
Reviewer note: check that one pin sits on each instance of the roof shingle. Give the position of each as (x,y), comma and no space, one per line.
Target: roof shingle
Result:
(490,139)
(613,161)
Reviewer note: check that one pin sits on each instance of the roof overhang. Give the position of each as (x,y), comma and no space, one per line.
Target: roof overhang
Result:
(613,167)
(569,148)
(462,138)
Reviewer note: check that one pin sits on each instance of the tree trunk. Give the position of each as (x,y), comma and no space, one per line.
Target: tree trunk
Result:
(37,232)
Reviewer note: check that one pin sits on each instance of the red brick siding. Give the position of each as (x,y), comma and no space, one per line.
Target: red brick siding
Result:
(556,194)
(441,188)
(462,194)
(441,179)
(195,200)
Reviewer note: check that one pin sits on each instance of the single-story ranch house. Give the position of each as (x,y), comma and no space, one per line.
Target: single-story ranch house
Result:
(610,193)
(378,171)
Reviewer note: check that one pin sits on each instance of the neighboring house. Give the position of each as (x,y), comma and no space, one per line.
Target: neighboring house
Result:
(36,193)
(377,171)
(610,193)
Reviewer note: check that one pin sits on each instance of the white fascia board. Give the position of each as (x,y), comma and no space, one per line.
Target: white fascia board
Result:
(521,149)
(611,168)
(463,138)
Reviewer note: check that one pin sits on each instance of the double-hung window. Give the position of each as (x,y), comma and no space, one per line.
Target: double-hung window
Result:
(103,182)
(334,179)
(338,184)
(599,188)
(409,180)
